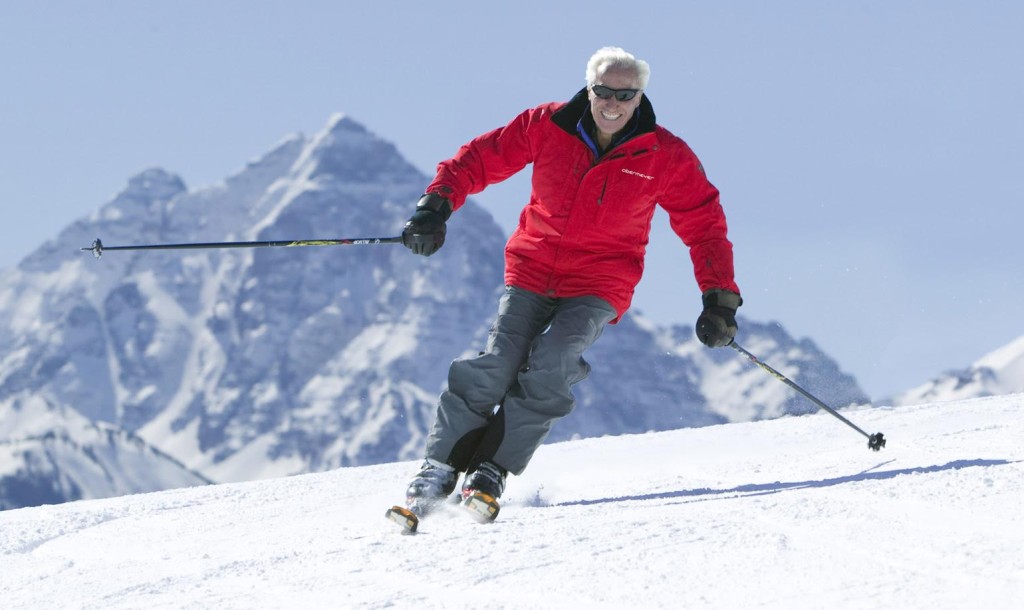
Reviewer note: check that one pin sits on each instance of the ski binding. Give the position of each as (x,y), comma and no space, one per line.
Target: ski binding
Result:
(405,518)
(483,507)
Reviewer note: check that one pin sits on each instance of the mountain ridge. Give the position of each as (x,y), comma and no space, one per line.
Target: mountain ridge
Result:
(999,372)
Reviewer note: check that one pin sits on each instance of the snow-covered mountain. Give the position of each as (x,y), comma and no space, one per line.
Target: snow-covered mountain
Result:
(57,455)
(1000,372)
(789,514)
(251,363)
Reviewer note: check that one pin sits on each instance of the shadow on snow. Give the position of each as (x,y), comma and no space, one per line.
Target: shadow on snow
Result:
(770,488)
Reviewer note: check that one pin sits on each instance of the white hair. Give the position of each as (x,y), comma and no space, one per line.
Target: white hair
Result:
(608,58)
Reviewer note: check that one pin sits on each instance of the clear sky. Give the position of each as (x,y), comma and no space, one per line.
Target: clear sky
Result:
(869,153)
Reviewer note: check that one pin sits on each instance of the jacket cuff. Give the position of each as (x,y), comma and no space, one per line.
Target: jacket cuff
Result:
(721,298)
(435,203)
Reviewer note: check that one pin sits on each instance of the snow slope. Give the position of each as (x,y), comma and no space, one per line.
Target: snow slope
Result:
(789,513)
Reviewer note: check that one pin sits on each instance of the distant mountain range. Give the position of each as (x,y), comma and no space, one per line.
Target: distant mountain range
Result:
(57,455)
(155,369)
(1000,372)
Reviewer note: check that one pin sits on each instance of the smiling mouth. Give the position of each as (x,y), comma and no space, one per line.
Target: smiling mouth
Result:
(610,117)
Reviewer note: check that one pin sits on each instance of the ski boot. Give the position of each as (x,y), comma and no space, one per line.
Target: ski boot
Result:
(428,490)
(481,490)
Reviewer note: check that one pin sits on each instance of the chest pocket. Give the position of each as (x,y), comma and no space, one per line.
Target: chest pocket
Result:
(626,203)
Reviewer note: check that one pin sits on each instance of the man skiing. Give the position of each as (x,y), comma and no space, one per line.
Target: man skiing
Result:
(601,164)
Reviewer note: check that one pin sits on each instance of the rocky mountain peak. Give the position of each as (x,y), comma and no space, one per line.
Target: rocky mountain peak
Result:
(153,184)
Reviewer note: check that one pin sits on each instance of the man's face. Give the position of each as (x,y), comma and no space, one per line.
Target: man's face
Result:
(611,114)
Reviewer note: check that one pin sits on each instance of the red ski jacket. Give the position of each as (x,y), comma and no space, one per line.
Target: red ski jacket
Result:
(586,227)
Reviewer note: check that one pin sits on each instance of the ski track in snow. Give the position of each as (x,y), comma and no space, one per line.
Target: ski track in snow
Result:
(789,513)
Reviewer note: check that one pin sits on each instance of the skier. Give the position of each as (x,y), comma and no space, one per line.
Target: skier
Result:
(600,165)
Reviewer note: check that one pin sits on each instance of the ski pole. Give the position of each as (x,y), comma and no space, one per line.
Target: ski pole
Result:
(875,441)
(98,248)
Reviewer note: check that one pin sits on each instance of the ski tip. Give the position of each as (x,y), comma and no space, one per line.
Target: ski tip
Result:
(404,518)
(483,507)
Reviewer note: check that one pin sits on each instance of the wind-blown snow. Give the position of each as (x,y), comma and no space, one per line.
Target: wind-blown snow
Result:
(788,513)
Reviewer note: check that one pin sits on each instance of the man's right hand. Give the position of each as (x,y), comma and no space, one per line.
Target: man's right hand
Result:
(424,232)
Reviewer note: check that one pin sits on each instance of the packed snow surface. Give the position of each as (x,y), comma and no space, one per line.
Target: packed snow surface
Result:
(789,513)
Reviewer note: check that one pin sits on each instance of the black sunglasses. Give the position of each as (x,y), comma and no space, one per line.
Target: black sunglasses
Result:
(606,93)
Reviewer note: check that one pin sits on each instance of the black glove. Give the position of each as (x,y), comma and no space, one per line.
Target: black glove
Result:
(716,326)
(424,232)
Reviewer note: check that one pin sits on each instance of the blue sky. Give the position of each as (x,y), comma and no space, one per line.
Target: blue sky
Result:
(869,153)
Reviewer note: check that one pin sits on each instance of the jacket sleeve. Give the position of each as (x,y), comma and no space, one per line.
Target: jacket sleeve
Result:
(696,216)
(487,159)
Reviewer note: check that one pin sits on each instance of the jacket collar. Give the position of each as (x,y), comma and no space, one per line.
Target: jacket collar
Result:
(575,118)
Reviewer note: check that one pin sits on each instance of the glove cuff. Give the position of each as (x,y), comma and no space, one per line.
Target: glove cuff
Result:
(435,203)
(722,298)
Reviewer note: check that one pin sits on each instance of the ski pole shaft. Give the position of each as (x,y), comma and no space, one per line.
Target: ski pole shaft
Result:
(875,441)
(98,248)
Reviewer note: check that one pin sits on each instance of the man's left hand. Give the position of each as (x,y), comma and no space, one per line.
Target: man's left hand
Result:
(716,326)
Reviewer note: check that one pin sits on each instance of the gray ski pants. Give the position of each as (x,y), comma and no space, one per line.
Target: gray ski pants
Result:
(500,405)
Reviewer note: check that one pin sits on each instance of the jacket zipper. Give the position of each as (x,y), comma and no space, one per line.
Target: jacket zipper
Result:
(604,186)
